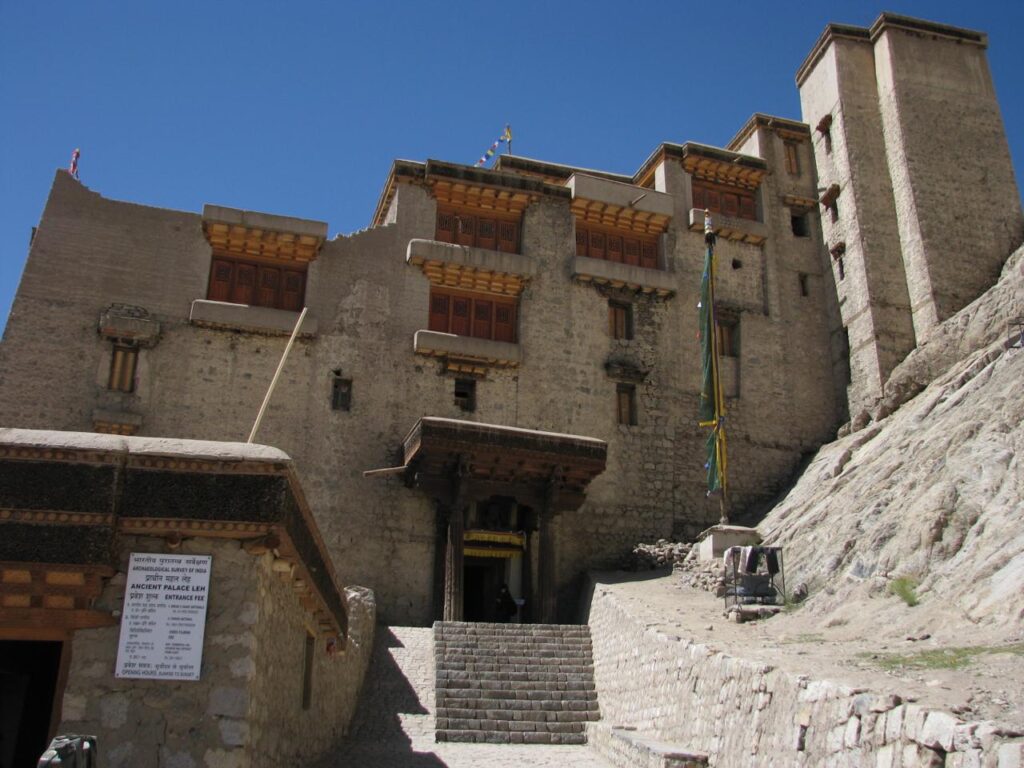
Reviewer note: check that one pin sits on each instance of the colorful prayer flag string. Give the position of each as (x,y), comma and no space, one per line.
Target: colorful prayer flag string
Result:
(506,136)
(73,168)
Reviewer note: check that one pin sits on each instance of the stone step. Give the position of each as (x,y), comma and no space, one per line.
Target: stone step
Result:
(465,654)
(519,705)
(551,668)
(543,726)
(580,646)
(514,685)
(570,697)
(509,737)
(535,715)
(526,675)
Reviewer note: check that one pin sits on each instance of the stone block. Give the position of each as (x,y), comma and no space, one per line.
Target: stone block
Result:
(1011,755)
(233,733)
(229,702)
(939,731)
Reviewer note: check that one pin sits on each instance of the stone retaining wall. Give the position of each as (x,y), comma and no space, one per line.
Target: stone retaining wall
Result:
(745,713)
(246,708)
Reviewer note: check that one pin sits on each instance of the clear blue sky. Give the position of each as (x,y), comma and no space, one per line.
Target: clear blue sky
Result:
(299,108)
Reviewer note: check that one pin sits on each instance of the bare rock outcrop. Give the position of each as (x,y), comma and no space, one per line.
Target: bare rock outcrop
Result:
(931,489)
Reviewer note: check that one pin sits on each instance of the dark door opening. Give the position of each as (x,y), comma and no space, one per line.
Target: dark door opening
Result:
(28,683)
(482,581)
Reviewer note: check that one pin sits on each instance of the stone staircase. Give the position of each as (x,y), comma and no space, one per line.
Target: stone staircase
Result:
(513,683)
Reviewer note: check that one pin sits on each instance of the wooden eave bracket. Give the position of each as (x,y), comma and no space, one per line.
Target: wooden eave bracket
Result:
(447,274)
(619,217)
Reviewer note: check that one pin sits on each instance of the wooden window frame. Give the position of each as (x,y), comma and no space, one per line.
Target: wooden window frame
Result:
(470,227)
(620,320)
(124,362)
(625,404)
(791,149)
(483,315)
(621,246)
(724,199)
(277,296)
(727,328)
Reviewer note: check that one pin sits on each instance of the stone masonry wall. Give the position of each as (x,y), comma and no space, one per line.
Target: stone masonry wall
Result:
(872,287)
(957,203)
(745,713)
(245,709)
(207,383)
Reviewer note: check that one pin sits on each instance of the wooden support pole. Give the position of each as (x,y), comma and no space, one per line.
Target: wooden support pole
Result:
(277,375)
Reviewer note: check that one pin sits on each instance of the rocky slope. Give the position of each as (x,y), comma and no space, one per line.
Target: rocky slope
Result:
(928,486)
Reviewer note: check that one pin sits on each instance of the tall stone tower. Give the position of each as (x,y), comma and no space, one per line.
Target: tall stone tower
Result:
(920,205)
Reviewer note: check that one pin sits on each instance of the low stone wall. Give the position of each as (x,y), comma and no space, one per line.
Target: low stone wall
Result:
(745,713)
(246,709)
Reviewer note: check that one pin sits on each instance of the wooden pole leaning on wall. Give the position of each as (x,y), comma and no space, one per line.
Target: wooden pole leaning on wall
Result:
(277,375)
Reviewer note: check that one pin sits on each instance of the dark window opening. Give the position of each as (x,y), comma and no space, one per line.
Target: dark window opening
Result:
(620,320)
(625,395)
(465,394)
(799,224)
(737,264)
(123,362)
(845,354)
(341,393)
(837,256)
(307,671)
(804,289)
(258,284)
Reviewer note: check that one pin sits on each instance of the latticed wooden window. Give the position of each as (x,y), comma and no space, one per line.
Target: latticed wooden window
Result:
(468,226)
(123,361)
(617,245)
(257,283)
(468,314)
(723,199)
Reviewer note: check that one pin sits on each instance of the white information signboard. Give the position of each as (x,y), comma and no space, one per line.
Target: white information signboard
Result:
(164,617)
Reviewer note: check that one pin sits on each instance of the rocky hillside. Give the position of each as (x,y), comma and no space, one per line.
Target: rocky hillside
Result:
(924,494)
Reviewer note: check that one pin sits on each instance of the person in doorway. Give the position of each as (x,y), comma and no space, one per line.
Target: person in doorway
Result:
(506,605)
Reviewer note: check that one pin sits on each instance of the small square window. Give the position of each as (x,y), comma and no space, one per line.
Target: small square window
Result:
(625,395)
(620,320)
(799,224)
(465,394)
(123,362)
(341,393)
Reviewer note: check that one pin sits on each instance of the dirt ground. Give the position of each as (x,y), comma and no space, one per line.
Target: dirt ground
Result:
(865,645)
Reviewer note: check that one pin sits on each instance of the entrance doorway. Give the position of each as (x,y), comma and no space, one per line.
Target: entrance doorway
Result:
(482,581)
(28,681)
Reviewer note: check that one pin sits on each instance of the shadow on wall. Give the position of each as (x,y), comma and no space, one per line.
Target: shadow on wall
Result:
(377,736)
